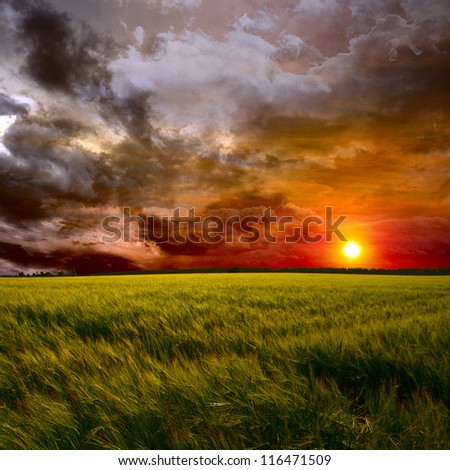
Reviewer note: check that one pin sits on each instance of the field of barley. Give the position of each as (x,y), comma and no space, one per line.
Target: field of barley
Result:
(225,361)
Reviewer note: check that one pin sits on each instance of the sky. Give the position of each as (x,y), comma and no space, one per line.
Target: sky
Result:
(227,108)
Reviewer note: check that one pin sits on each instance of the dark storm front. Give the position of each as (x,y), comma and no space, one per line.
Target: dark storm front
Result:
(214,229)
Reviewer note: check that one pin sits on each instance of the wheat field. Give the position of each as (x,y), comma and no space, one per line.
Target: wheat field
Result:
(225,361)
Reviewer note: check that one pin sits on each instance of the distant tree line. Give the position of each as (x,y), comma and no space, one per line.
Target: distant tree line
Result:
(237,269)
(69,273)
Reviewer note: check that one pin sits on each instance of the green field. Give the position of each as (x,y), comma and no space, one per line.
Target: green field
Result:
(225,361)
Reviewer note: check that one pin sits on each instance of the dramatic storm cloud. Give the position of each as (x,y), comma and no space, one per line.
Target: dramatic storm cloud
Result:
(228,108)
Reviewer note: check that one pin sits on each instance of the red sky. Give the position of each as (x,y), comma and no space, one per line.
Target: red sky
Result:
(228,108)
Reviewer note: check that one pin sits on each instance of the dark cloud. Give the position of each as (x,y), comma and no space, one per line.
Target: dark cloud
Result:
(18,202)
(134,113)
(83,261)
(16,253)
(50,171)
(248,203)
(249,198)
(43,174)
(61,54)
(86,263)
(187,248)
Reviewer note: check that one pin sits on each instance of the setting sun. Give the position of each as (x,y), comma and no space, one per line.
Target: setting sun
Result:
(352,250)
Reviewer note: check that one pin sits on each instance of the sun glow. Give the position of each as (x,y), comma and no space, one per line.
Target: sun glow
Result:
(352,250)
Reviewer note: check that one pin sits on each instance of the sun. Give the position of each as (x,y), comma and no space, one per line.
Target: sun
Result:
(352,250)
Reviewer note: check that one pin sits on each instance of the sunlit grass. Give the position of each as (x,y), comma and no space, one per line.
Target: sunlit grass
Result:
(225,361)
